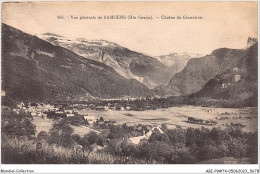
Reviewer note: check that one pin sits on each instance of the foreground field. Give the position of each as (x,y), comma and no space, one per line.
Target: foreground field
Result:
(23,152)
(64,144)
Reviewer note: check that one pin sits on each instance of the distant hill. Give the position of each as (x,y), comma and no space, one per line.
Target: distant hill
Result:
(35,70)
(177,61)
(199,71)
(127,63)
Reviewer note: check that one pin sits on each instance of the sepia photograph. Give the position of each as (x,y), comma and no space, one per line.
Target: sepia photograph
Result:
(129,82)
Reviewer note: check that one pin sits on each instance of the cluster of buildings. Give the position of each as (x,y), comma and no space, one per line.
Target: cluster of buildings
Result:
(42,110)
(108,106)
(35,109)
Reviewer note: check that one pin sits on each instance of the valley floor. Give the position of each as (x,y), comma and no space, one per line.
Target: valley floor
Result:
(173,117)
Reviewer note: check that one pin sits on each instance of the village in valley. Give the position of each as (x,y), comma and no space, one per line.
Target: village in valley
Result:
(76,111)
(84,117)
(58,111)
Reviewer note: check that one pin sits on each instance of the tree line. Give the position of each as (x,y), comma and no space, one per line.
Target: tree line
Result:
(174,146)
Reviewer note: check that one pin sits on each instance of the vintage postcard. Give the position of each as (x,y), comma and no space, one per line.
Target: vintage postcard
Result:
(129,83)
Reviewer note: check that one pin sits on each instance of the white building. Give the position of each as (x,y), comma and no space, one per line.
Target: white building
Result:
(34,113)
(128,108)
(70,115)
(136,140)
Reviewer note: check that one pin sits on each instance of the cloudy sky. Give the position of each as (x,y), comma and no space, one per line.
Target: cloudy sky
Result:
(224,24)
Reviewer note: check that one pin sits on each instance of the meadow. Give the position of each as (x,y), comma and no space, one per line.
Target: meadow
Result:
(172,117)
(177,116)
(46,124)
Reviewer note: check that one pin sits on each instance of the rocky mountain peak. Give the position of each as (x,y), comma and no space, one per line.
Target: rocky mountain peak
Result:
(251,41)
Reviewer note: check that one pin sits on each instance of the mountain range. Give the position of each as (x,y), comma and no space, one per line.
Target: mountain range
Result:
(198,72)
(51,67)
(36,70)
(127,63)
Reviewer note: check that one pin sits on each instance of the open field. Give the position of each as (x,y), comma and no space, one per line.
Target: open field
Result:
(42,124)
(46,124)
(174,116)
(177,116)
